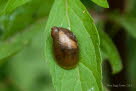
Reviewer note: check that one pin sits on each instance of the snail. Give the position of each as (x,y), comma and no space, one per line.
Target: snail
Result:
(65,47)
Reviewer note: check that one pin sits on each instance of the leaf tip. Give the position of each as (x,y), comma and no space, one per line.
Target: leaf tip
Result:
(102,3)
(117,69)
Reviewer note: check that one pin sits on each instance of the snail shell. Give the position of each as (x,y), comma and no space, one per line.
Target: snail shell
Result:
(65,47)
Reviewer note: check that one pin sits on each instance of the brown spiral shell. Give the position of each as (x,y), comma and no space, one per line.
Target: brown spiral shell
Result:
(65,47)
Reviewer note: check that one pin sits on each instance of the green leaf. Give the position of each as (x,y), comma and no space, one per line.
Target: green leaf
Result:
(31,12)
(131,5)
(110,52)
(102,3)
(28,69)
(18,42)
(129,23)
(7,6)
(71,14)
(131,44)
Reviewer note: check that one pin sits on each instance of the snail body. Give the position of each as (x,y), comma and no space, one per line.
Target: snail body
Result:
(65,47)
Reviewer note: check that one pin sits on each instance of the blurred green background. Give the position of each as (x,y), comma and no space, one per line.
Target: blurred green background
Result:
(22,64)
(21,39)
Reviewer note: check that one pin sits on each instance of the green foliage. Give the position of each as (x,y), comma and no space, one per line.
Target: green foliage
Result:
(131,7)
(15,44)
(24,22)
(130,26)
(129,23)
(110,52)
(7,6)
(28,69)
(24,16)
(87,75)
(102,3)
(132,61)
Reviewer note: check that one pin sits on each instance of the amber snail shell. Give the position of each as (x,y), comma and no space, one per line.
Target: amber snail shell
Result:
(65,47)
